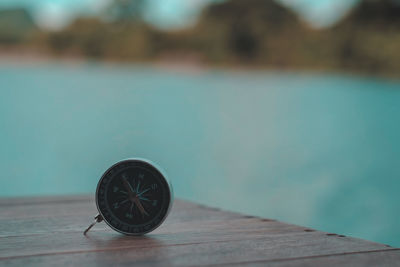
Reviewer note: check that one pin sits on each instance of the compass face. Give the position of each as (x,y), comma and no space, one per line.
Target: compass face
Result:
(133,197)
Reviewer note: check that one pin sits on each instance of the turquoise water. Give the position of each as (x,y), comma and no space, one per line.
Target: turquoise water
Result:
(317,150)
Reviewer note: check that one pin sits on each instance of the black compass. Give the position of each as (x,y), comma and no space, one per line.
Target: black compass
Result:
(133,197)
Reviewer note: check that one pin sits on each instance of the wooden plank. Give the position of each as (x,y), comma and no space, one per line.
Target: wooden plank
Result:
(44,199)
(155,252)
(49,230)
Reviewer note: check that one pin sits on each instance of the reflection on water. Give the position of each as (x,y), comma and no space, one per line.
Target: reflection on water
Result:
(318,150)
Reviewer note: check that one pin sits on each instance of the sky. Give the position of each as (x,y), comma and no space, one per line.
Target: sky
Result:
(55,14)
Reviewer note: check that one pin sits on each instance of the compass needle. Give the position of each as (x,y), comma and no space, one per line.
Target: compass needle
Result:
(144,191)
(138,187)
(144,198)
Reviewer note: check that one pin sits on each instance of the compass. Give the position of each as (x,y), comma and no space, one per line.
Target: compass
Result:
(133,197)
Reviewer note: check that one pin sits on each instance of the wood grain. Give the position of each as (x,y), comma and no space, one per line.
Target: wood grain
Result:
(48,231)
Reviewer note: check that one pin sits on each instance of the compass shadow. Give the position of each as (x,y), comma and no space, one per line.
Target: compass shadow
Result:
(126,249)
(111,240)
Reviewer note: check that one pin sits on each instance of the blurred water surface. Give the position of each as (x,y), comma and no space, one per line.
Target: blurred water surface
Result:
(317,150)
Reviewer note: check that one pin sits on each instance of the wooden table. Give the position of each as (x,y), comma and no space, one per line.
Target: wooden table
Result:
(48,231)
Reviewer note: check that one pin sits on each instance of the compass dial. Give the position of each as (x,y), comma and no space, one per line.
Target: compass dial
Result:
(133,197)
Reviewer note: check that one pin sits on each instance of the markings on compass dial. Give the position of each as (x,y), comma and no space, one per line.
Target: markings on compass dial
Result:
(116,205)
(125,176)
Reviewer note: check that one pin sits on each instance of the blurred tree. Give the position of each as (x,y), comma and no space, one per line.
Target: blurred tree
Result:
(93,38)
(383,14)
(126,10)
(15,25)
(245,29)
(368,38)
(257,32)
(122,36)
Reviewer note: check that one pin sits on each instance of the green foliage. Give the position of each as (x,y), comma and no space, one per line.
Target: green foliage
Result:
(15,25)
(252,32)
(95,39)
